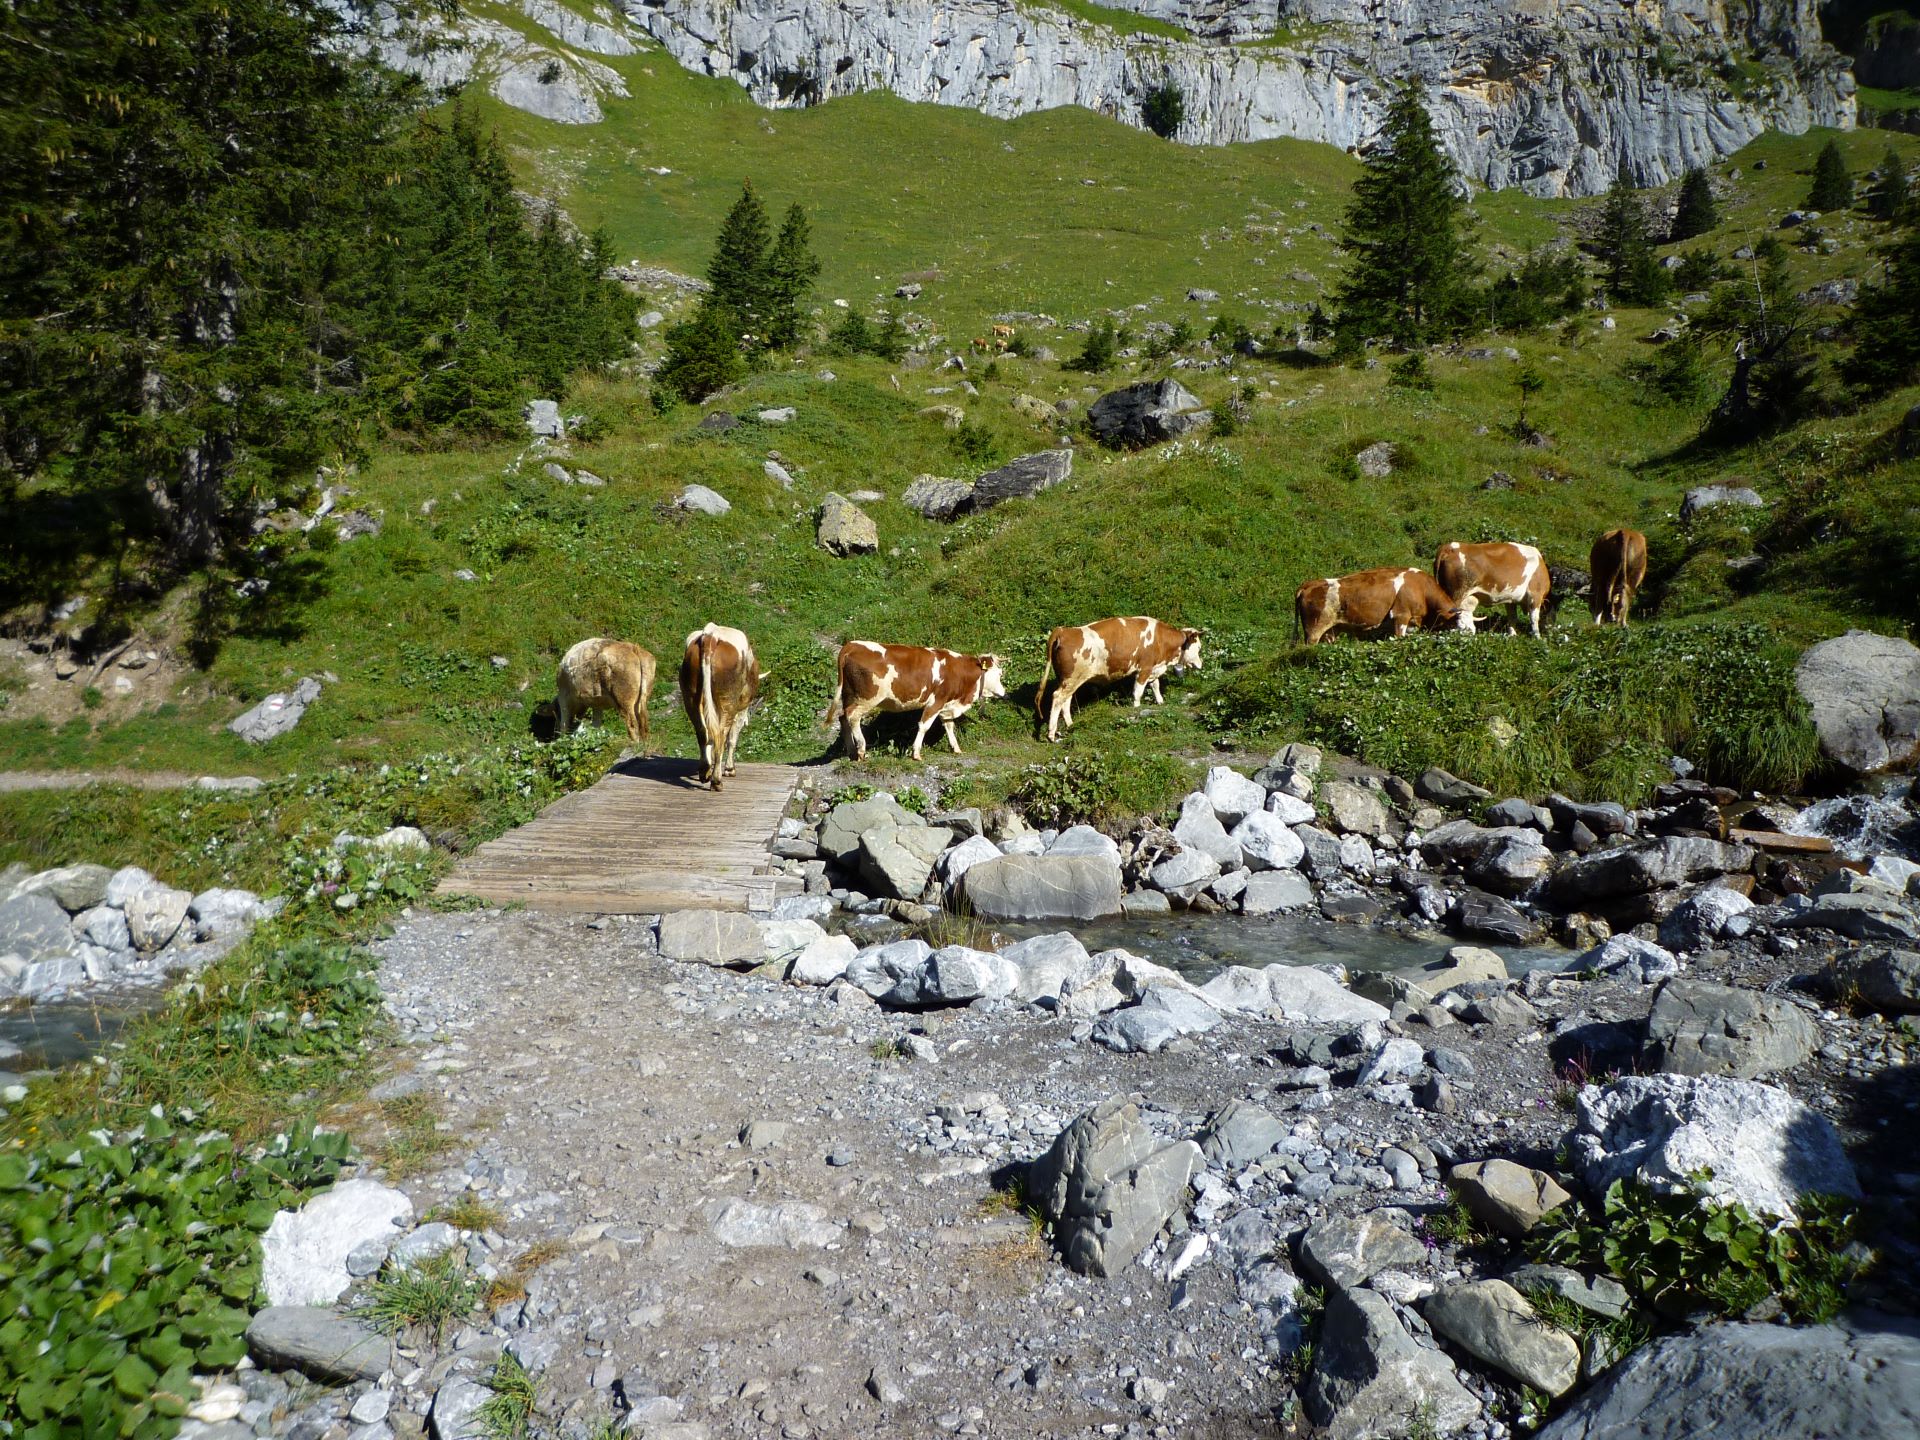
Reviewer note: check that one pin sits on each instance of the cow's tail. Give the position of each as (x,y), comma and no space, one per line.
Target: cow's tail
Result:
(709,712)
(1040,691)
(1299,616)
(835,710)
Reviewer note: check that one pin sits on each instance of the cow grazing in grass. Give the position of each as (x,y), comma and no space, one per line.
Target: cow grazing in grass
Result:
(719,685)
(941,684)
(1135,647)
(1372,604)
(1501,573)
(604,675)
(1619,565)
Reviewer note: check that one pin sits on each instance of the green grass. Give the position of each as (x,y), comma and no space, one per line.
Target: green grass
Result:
(1109,18)
(426,1297)
(992,217)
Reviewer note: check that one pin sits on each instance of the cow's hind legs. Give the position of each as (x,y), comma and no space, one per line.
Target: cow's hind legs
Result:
(953,739)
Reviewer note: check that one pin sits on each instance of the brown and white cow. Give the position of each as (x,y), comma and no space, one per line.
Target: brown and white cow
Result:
(604,674)
(1619,566)
(941,684)
(1131,646)
(1371,603)
(1501,573)
(719,685)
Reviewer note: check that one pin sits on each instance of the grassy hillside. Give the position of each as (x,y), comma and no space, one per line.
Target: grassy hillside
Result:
(1070,216)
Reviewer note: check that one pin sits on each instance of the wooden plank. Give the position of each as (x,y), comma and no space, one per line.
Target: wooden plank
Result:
(1787,844)
(644,839)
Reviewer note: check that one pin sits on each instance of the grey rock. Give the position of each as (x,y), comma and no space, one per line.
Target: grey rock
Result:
(1232,795)
(1443,788)
(742,1224)
(1507,1197)
(1375,462)
(1043,887)
(1516,813)
(1369,1376)
(1651,865)
(1864,693)
(1861,916)
(543,419)
(955,975)
(1511,866)
(74,887)
(937,497)
(1859,1376)
(277,714)
(1600,1295)
(1273,891)
(1696,922)
(711,937)
(1266,842)
(1240,1134)
(104,926)
(1476,915)
(1886,979)
(316,1341)
(1349,1250)
(34,925)
(1354,809)
(1320,857)
(1764,1148)
(1394,1058)
(1706,497)
(303,1254)
(777,473)
(154,916)
(1185,874)
(1700,1029)
(1020,479)
(1605,817)
(1495,1324)
(840,832)
(1198,828)
(1109,1183)
(844,528)
(1629,957)
(898,861)
(57,975)
(700,500)
(1084,840)
(1145,414)
(878,968)
(1135,1031)
(1311,997)
(955,863)
(1051,965)
(823,961)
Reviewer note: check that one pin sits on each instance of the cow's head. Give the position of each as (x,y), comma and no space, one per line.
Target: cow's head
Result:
(1443,617)
(993,685)
(1189,650)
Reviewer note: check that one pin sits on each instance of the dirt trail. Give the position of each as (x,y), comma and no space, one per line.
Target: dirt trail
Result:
(603,1093)
(17,780)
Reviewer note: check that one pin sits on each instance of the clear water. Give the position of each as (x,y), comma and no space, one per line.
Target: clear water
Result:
(50,1036)
(1201,946)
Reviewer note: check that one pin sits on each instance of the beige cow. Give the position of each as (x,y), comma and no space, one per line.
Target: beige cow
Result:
(604,674)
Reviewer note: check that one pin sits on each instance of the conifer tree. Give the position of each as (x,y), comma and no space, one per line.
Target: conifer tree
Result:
(791,269)
(1886,318)
(1625,246)
(1888,196)
(1763,322)
(1832,185)
(1409,272)
(1696,213)
(738,270)
(703,354)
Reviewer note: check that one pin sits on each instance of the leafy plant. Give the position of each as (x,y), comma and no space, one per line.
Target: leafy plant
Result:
(1163,109)
(128,1262)
(1681,1252)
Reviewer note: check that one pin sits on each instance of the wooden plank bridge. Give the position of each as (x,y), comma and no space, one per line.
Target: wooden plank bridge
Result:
(644,839)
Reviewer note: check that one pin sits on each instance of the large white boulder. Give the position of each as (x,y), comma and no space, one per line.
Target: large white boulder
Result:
(303,1255)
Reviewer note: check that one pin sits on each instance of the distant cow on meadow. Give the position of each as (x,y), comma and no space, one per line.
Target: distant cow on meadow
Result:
(941,684)
(1619,564)
(1133,646)
(1371,603)
(719,685)
(1501,573)
(604,674)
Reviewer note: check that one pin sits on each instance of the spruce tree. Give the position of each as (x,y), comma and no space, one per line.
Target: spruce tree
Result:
(791,269)
(1624,244)
(738,270)
(703,354)
(1408,274)
(1887,197)
(1696,213)
(1832,185)
(1886,318)
(1763,322)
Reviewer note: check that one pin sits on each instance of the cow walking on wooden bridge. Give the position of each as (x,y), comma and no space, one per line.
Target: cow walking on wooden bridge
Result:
(719,685)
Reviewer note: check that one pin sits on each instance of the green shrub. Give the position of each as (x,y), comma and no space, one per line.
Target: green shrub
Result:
(129,1262)
(426,1296)
(1093,786)
(1680,1253)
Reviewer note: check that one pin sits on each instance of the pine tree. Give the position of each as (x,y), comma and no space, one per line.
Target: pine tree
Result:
(738,270)
(1696,213)
(1624,245)
(791,269)
(1886,318)
(1832,185)
(1763,322)
(1406,227)
(703,354)
(1888,196)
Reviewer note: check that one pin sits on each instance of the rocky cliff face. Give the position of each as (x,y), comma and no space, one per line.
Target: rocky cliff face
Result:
(1555,96)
